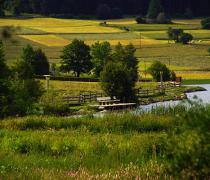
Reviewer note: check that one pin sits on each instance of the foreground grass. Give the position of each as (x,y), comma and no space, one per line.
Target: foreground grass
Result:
(115,146)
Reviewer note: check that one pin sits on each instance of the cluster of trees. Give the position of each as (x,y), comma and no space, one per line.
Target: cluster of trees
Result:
(18,89)
(109,65)
(91,7)
(179,36)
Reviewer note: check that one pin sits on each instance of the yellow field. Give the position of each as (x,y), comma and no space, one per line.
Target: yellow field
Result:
(96,29)
(47,40)
(53,25)
(194,75)
(122,22)
(53,40)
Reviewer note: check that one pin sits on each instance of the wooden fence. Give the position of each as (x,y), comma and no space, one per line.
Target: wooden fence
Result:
(82,98)
(149,92)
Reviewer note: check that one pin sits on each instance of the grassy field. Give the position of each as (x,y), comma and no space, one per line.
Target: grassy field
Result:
(191,61)
(115,146)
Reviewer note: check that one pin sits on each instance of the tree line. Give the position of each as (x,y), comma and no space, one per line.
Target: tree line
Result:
(114,7)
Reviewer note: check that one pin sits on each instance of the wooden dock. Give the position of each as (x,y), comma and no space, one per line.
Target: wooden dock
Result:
(118,106)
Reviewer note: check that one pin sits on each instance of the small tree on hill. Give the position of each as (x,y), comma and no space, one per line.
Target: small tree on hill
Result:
(157,68)
(100,53)
(154,9)
(117,82)
(205,23)
(186,38)
(175,34)
(76,57)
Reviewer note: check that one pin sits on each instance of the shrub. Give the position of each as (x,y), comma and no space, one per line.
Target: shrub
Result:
(209,51)
(186,38)
(140,20)
(205,23)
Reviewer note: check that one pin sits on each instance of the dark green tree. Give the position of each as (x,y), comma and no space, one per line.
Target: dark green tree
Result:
(1,8)
(76,57)
(186,38)
(28,54)
(157,68)
(117,82)
(26,90)
(175,34)
(37,59)
(4,84)
(154,9)
(205,23)
(126,55)
(209,51)
(101,54)
(40,63)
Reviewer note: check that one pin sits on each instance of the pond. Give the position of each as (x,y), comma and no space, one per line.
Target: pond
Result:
(204,96)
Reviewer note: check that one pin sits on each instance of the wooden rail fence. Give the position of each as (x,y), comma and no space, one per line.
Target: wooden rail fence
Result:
(82,98)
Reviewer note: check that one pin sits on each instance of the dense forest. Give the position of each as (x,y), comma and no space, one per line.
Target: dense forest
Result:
(89,7)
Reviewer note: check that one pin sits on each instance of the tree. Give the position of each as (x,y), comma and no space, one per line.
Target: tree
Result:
(103,11)
(175,34)
(40,63)
(205,23)
(117,82)
(76,57)
(154,9)
(37,59)
(25,89)
(186,38)
(1,9)
(101,54)
(209,51)
(28,54)
(131,61)
(126,55)
(157,68)
(4,84)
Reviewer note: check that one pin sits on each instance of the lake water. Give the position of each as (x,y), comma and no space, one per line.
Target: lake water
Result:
(204,96)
